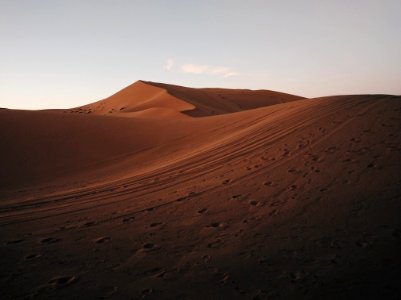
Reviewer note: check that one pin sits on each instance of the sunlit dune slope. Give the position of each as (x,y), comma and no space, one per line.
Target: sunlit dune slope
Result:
(46,147)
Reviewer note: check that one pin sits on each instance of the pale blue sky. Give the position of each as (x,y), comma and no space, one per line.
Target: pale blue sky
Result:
(56,53)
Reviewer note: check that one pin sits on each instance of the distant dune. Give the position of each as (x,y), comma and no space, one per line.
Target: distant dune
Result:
(142,95)
(168,192)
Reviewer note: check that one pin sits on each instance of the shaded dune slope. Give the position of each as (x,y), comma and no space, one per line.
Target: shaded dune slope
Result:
(217,101)
(294,200)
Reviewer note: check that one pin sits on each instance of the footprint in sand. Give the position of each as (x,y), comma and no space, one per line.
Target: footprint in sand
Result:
(253,202)
(14,242)
(49,240)
(274,212)
(168,274)
(217,225)
(331,150)
(155,224)
(62,281)
(32,256)
(180,199)
(276,203)
(202,211)
(128,219)
(103,239)
(150,247)
(214,244)
(90,223)
(286,152)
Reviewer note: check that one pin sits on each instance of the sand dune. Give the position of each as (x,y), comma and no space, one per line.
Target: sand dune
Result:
(143,95)
(138,96)
(249,199)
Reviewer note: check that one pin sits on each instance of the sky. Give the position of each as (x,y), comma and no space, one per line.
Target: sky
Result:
(61,54)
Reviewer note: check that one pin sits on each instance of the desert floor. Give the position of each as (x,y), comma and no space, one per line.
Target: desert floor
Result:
(166,192)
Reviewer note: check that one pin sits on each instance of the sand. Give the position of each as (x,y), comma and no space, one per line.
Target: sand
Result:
(167,192)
